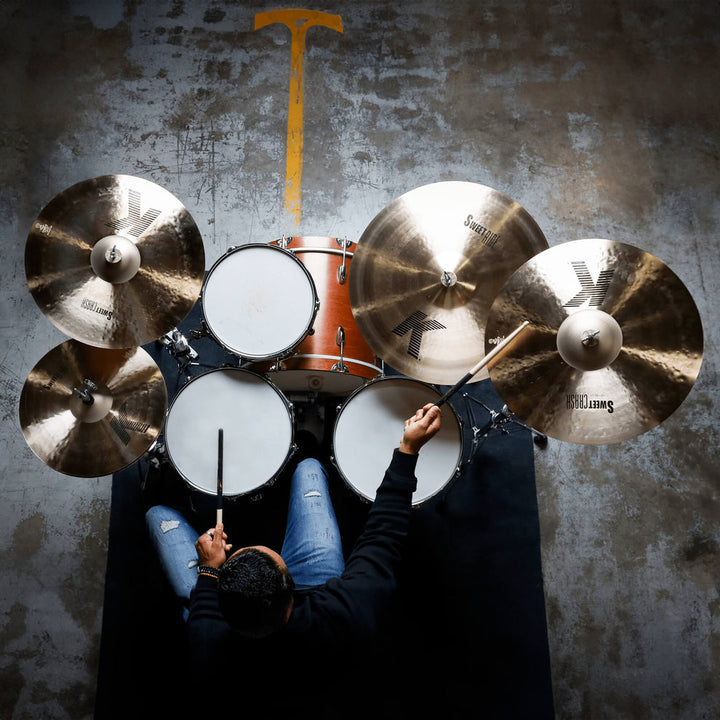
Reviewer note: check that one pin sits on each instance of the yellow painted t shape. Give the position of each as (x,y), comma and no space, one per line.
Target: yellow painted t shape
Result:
(298,21)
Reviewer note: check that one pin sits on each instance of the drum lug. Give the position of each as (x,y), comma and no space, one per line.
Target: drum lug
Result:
(340,342)
(342,269)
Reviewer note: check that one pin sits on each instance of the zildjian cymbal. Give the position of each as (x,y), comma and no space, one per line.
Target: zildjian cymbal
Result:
(426,270)
(115,261)
(614,345)
(88,411)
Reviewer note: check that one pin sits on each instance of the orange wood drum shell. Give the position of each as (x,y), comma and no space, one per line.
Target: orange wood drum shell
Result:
(319,351)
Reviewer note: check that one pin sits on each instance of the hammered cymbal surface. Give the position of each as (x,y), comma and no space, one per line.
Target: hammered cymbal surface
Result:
(426,270)
(129,402)
(659,358)
(142,218)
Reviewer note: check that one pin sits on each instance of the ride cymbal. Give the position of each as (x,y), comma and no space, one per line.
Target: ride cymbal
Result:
(614,345)
(426,270)
(115,261)
(88,411)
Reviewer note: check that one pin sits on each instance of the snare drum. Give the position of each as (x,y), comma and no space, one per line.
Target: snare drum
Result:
(259,301)
(369,427)
(334,358)
(257,428)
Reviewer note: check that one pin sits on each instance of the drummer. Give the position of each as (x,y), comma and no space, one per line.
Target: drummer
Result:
(305,599)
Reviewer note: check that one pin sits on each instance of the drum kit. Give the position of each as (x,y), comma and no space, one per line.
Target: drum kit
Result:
(591,341)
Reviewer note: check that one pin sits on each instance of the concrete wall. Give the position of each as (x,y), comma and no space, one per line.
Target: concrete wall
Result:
(599,118)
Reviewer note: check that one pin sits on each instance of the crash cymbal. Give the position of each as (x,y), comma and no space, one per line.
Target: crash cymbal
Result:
(115,261)
(614,345)
(426,271)
(88,411)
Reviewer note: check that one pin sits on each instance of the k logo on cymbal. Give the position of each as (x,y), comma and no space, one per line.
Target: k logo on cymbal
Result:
(136,223)
(417,324)
(595,292)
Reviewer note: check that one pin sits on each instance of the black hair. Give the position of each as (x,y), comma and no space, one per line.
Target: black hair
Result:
(254,593)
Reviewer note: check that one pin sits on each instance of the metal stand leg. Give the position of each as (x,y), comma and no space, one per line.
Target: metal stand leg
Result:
(498,421)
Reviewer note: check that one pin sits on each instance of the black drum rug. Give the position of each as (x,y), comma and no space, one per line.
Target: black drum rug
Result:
(470,639)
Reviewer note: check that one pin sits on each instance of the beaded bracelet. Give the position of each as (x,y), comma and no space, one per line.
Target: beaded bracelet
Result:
(208,570)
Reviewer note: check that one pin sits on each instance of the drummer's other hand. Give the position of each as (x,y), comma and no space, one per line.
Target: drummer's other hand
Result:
(212,547)
(420,428)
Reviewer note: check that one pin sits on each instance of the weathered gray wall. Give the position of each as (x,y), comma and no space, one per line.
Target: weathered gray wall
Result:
(601,119)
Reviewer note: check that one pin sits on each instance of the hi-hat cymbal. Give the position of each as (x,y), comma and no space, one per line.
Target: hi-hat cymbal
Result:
(427,269)
(614,345)
(115,261)
(88,411)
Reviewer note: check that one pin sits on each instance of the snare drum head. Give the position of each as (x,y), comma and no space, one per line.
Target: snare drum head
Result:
(259,301)
(370,426)
(257,431)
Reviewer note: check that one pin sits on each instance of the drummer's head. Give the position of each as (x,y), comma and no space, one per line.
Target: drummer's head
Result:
(255,591)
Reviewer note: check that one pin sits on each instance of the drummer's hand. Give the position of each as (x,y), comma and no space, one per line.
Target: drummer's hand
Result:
(420,428)
(212,547)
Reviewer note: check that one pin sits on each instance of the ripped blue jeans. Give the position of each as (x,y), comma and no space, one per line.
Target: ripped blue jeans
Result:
(312,548)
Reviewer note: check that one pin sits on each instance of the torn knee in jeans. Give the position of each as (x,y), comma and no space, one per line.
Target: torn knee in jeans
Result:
(168,525)
(313,493)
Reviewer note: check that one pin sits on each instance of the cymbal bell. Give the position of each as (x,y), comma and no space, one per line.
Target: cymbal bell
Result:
(88,411)
(115,261)
(426,270)
(614,345)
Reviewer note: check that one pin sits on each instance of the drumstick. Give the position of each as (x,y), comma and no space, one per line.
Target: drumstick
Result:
(481,364)
(220,477)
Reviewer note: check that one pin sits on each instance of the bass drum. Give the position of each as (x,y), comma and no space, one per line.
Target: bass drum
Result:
(257,425)
(369,427)
(334,358)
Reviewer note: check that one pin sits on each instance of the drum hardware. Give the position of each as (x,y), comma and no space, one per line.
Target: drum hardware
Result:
(427,269)
(498,421)
(88,411)
(114,261)
(342,269)
(86,394)
(180,349)
(615,343)
(340,342)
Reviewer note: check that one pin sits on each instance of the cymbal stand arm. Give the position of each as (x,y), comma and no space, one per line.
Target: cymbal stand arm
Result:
(498,421)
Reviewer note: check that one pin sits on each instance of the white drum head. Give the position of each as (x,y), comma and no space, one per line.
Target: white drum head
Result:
(257,431)
(259,301)
(370,426)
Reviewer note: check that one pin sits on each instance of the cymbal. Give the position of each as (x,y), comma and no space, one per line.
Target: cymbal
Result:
(614,345)
(115,261)
(88,411)
(426,270)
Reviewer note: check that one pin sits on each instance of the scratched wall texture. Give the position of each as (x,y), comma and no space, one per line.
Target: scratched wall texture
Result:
(599,118)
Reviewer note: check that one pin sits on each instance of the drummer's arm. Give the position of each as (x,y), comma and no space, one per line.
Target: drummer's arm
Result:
(370,573)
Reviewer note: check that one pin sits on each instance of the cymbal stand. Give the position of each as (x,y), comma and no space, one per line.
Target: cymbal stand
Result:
(498,421)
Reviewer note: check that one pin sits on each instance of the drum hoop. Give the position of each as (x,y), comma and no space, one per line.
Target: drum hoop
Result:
(312,356)
(288,408)
(281,354)
(327,251)
(456,472)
